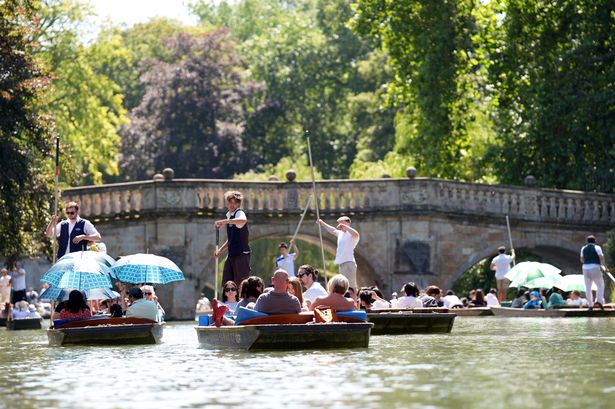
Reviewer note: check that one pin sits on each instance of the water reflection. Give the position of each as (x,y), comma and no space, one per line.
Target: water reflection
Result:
(491,361)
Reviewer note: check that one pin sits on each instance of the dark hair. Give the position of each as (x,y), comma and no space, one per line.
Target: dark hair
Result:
(493,291)
(450,292)
(365,295)
(520,293)
(501,249)
(377,291)
(480,298)
(225,286)
(411,289)
(76,302)
(591,238)
(116,311)
(310,271)
(252,285)
(433,290)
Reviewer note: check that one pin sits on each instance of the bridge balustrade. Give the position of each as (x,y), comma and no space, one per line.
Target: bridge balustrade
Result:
(421,195)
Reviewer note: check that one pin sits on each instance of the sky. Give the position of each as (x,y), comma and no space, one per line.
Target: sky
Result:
(130,12)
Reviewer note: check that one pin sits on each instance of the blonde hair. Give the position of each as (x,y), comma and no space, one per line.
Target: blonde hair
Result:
(344,219)
(149,289)
(72,204)
(338,284)
(233,195)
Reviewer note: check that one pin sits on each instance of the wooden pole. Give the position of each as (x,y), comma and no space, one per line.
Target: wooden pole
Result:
(307,206)
(509,236)
(55,206)
(217,262)
(315,193)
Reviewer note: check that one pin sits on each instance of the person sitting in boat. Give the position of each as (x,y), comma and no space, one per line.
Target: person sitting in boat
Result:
(75,307)
(140,307)
(21,310)
(278,301)
(150,294)
(203,304)
(432,297)
(370,300)
(479,300)
(519,299)
(411,297)
(337,286)
(251,290)
(33,312)
(492,298)
(230,295)
(555,299)
(535,302)
(294,288)
(575,299)
(309,278)
(451,300)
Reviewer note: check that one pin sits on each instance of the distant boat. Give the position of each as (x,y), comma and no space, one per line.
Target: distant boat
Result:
(395,322)
(23,324)
(554,313)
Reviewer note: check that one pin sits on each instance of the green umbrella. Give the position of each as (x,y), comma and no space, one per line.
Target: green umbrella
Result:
(573,282)
(541,282)
(524,273)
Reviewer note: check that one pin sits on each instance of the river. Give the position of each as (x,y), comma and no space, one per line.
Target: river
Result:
(489,362)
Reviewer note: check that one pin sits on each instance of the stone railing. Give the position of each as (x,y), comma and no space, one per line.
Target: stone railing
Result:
(347,196)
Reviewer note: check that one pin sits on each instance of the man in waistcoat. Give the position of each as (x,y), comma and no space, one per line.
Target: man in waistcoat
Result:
(73,233)
(593,262)
(237,264)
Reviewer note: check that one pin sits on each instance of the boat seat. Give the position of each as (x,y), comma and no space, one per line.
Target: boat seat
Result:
(246,316)
(329,315)
(94,322)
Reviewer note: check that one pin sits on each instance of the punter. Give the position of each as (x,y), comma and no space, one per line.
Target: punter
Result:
(347,240)
(74,233)
(501,265)
(237,264)
(593,263)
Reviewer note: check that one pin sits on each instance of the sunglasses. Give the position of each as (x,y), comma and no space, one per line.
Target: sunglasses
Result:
(70,213)
(147,293)
(228,290)
(301,275)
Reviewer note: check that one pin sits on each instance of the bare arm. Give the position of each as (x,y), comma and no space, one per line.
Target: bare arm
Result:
(221,249)
(294,247)
(327,227)
(512,253)
(353,232)
(51,226)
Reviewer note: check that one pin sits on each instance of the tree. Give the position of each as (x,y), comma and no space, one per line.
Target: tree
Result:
(553,69)
(432,49)
(85,104)
(193,114)
(25,137)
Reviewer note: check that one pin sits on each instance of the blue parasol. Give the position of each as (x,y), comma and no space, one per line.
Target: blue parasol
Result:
(80,274)
(147,268)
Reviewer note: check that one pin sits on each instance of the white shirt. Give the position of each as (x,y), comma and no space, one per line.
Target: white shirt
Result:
(346,243)
(315,291)
(88,229)
(407,302)
(580,301)
(380,305)
(19,280)
(143,308)
(592,265)
(4,284)
(287,263)
(502,265)
(451,300)
(491,299)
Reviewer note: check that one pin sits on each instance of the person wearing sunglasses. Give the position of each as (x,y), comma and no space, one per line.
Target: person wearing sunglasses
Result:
(313,289)
(150,294)
(230,295)
(74,233)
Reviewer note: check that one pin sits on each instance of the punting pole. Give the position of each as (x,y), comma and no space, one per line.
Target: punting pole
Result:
(217,262)
(55,206)
(315,193)
(307,206)
(509,236)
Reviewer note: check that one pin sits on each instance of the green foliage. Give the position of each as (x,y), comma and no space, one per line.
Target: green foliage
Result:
(553,69)
(609,248)
(263,172)
(85,104)
(25,135)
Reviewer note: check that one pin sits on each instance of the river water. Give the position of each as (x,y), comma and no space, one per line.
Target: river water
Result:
(485,362)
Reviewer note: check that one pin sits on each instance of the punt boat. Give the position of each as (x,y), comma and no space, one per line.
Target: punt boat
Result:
(554,313)
(105,331)
(286,332)
(411,321)
(23,323)
(473,312)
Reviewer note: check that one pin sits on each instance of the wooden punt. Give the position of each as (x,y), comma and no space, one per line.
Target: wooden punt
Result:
(473,312)
(410,322)
(554,313)
(23,324)
(2,322)
(286,336)
(106,331)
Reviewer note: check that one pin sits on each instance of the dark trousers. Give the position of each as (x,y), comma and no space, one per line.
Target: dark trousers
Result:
(19,296)
(236,268)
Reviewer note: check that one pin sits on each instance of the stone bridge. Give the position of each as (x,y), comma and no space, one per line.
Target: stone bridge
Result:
(424,230)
